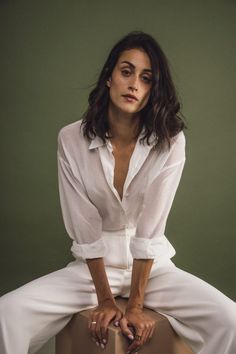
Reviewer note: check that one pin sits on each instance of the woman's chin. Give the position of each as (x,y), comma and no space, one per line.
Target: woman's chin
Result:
(128,109)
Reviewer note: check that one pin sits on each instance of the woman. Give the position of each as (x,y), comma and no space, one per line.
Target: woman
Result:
(119,169)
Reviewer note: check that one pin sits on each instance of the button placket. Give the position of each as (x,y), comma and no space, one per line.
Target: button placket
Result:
(111,174)
(108,169)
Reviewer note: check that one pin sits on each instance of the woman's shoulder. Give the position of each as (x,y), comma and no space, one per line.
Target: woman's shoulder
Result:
(71,135)
(177,150)
(179,138)
(70,131)
(71,140)
(178,145)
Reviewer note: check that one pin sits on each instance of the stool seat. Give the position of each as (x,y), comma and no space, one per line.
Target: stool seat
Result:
(75,338)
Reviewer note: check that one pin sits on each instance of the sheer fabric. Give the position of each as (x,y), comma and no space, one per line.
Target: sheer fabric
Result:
(91,205)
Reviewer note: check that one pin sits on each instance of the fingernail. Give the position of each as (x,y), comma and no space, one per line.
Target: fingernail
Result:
(116,323)
(104,340)
(130,336)
(102,345)
(97,344)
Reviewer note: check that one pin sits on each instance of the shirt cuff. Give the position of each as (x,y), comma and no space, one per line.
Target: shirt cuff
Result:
(154,248)
(96,249)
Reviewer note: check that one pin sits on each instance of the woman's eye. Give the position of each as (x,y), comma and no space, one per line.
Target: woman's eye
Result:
(147,79)
(125,72)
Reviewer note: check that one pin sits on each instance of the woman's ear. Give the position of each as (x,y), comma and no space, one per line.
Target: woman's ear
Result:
(108,83)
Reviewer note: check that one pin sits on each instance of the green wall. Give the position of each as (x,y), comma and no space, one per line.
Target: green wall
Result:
(51,52)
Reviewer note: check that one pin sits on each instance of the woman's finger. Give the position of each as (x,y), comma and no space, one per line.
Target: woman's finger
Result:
(92,329)
(104,330)
(143,336)
(93,326)
(98,327)
(150,334)
(146,333)
(90,324)
(140,336)
(116,320)
(125,329)
(137,342)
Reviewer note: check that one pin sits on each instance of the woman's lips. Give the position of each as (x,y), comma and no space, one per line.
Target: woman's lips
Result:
(129,99)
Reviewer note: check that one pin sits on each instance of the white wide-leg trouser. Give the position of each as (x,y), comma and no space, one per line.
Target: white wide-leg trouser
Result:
(202,315)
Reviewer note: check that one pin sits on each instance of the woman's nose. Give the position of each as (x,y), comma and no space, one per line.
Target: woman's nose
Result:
(133,84)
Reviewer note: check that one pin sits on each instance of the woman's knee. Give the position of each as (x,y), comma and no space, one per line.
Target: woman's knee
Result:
(226,315)
(10,306)
(229,316)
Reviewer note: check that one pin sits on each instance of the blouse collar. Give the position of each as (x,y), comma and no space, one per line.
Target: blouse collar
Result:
(97,141)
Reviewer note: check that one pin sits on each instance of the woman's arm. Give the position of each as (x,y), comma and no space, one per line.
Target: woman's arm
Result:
(98,273)
(149,242)
(140,273)
(147,245)
(82,220)
(84,225)
(106,311)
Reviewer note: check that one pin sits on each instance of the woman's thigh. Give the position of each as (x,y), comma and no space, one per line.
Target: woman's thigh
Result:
(42,307)
(194,307)
(64,291)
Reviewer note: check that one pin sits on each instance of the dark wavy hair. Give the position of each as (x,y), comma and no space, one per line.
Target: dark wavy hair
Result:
(161,115)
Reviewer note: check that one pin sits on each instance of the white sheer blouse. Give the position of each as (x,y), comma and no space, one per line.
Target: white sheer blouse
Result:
(91,205)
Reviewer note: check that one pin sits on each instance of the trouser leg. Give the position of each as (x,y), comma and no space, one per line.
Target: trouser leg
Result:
(201,314)
(38,310)
(33,313)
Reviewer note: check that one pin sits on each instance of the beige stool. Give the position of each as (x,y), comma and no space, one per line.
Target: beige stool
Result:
(74,338)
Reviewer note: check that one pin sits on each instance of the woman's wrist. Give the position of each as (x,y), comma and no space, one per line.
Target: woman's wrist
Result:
(134,305)
(107,300)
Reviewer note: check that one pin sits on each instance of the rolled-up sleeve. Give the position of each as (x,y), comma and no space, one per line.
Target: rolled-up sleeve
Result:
(148,241)
(81,218)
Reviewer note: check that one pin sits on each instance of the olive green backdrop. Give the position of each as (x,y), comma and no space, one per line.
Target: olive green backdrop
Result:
(51,52)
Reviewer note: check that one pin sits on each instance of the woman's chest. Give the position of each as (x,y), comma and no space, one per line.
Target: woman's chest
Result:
(117,176)
(122,160)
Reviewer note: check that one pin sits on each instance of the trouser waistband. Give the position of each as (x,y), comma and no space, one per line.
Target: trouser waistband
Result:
(117,243)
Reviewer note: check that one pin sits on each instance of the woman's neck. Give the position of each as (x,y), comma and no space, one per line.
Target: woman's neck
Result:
(123,127)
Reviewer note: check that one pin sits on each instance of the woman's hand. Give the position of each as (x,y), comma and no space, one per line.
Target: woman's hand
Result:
(100,318)
(143,328)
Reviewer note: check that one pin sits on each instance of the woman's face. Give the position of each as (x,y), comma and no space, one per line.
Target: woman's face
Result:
(132,75)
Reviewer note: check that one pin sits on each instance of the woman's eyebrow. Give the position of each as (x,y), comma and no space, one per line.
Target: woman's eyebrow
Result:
(133,66)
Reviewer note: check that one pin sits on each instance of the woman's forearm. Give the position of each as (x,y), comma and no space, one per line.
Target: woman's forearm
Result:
(140,272)
(99,276)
